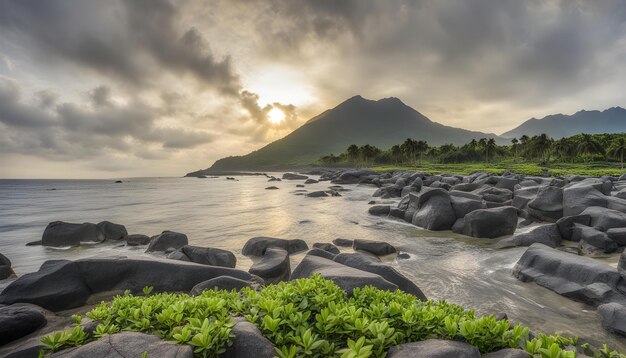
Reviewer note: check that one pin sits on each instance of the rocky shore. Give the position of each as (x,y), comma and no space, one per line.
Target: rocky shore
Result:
(566,222)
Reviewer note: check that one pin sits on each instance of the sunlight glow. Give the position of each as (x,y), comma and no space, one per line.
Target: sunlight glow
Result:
(275,115)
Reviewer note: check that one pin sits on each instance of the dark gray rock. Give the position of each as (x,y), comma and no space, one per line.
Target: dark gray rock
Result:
(113,231)
(379,210)
(489,223)
(317,194)
(17,321)
(348,278)
(137,239)
(294,176)
(604,219)
(222,283)
(547,204)
(374,265)
(60,234)
(463,205)
(248,342)
(167,240)
(592,241)
(209,256)
(434,210)
(6,272)
(566,224)
(378,248)
(311,181)
(576,277)
(621,265)
(321,253)
(326,247)
(343,242)
(63,284)
(257,245)
(299,185)
(434,348)
(273,266)
(178,255)
(613,317)
(580,195)
(508,353)
(545,234)
(355,176)
(127,344)
(271,188)
(618,235)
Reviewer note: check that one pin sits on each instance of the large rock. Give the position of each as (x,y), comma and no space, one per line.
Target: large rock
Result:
(618,235)
(379,210)
(294,176)
(547,204)
(273,266)
(489,223)
(248,342)
(580,195)
(613,317)
(113,231)
(5,267)
(434,348)
(566,224)
(125,345)
(355,176)
(167,240)
(209,256)
(378,248)
(4,261)
(60,234)
(346,277)
(592,241)
(326,246)
(621,265)
(17,321)
(227,283)
(604,219)
(64,284)
(372,264)
(434,211)
(577,277)
(463,205)
(257,245)
(137,239)
(544,234)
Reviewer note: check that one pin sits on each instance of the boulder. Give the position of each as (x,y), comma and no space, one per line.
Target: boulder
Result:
(592,241)
(621,265)
(434,348)
(524,195)
(60,234)
(604,219)
(434,210)
(373,265)
(273,266)
(256,246)
(113,231)
(317,194)
(343,242)
(4,261)
(5,267)
(580,195)
(178,255)
(378,248)
(618,235)
(127,344)
(167,240)
(17,321)
(137,239)
(566,224)
(248,342)
(354,176)
(227,283)
(321,253)
(379,210)
(489,223)
(576,277)
(326,247)
(346,277)
(294,176)
(545,234)
(547,204)
(463,205)
(311,181)
(508,353)
(209,256)
(63,284)
(613,317)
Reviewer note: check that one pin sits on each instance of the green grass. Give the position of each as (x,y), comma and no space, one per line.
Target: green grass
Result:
(309,318)
(554,169)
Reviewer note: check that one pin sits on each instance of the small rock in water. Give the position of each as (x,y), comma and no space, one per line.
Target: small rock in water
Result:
(299,185)
(343,242)
(271,188)
(403,256)
(118,181)
(378,248)
(137,239)
(311,181)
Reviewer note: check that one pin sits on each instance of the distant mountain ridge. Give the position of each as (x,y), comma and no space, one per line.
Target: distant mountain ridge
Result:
(360,121)
(612,120)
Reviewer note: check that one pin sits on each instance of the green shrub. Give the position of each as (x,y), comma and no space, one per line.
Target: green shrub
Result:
(307,318)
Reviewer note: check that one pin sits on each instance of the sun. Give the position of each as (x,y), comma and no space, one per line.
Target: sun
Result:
(275,115)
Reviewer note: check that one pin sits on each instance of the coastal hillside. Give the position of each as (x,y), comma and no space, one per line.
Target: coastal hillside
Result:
(612,120)
(360,121)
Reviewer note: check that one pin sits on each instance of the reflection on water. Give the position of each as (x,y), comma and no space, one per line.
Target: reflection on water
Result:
(225,214)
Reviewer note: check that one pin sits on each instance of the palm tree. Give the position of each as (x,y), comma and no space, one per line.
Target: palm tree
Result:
(617,149)
(396,153)
(566,149)
(490,146)
(353,152)
(541,145)
(514,143)
(589,146)
(420,148)
(409,148)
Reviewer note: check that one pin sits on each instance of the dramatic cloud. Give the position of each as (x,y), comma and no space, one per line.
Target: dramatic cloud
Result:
(143,86)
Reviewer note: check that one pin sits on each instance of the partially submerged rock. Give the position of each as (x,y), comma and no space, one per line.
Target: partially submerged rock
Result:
(378,248)
(61,234)
(137,239)
(273,267)
(489,223)
(545,234)
(113,231)
(294,176)
(167,240)
(256,246)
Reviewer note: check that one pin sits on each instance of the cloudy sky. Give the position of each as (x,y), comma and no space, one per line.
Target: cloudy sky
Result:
(119,88)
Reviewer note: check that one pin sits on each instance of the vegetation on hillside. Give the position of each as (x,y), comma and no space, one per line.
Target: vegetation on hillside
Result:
(597,154)
(310,318)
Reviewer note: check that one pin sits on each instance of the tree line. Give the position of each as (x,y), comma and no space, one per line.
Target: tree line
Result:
(575,149)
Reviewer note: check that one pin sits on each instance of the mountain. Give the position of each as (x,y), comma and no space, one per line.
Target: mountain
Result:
(612,120)
(382,123)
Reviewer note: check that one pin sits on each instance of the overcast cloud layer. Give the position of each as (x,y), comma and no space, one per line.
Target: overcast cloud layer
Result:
(140,87)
